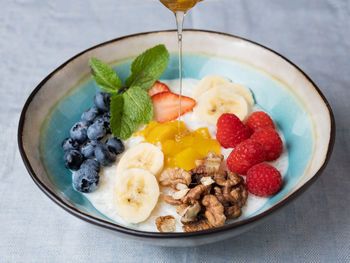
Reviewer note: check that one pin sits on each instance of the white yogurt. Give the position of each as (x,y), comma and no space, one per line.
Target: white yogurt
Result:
(103,198)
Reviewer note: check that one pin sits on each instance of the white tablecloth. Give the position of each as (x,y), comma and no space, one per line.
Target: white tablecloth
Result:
(37,36)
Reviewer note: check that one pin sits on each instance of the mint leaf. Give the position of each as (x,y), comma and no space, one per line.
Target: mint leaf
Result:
(129,111)
(116,108)
(138,105)
(104,76)
(148,67)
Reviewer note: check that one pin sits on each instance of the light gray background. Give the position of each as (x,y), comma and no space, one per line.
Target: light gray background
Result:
(37,36)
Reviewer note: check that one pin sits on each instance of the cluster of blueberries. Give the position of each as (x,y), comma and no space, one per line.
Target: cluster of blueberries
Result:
(86,149)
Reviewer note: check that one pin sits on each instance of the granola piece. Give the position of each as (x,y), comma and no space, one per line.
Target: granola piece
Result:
(188,213)
(166,223)
(214,211)
(232,212)
(212,162)
(174,176)
(202,224)
(171,201)
(194,194)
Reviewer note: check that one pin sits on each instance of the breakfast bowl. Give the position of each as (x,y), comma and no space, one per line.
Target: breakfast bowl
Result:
(299,109)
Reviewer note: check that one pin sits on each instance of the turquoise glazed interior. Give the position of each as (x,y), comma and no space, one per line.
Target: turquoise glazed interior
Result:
(271,95)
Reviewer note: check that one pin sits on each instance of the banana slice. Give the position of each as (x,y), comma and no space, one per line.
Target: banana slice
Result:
(218,100)
(240,90)
(145,156)
(209,82)
(136,195)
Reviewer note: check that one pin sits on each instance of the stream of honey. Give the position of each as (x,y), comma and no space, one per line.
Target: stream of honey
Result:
(179,8)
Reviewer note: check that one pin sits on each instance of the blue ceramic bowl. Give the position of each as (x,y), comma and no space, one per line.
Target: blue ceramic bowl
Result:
(279,87)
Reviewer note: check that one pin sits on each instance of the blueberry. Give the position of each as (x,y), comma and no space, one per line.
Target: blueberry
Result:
(115,145)
(73,159)
(103,155)
(102,100)
(69,144)
(88,148)
(85,180)
(89,115)
(105,118)
(91,164)
(79,132)
(97,130)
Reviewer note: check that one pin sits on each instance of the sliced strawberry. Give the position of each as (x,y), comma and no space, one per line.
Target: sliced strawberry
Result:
(158,87)
(166,106)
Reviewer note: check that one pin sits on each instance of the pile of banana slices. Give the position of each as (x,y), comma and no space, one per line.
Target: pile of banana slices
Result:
(216,95)
(137,189)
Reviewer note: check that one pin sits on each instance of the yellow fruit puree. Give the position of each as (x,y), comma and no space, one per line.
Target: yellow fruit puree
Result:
(181,146)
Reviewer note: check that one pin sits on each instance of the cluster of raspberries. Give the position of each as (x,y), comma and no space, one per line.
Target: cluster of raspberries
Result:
(253,143)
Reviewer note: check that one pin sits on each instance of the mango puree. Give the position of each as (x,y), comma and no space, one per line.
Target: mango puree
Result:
(181,146)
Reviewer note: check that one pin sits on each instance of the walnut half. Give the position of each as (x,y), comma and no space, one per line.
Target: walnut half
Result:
(200,225)
(166,223)
(214,210)
(212,163)
(174,176)
(188,213)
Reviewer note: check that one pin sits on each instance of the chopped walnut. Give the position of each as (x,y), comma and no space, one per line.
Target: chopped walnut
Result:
(214,211)
(220,178)
(244,195)
(188,213)
(181,187)
(194,194)
(197,174)
(232,212)
(202,224)
(234,179)
(174,176)
(207,180)
(212,162)
(171,201)
(166,223)
(180,194)
(207,195)
(220,196)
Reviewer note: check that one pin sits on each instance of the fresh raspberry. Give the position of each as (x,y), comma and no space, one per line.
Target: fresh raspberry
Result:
(231,131)
(259,120)
(245,155)
(271,142)
(263,180)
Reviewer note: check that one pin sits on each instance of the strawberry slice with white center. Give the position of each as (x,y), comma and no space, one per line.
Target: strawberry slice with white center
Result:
(158,87)
(166,106)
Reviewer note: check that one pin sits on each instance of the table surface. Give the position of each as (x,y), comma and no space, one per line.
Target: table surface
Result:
(37,36)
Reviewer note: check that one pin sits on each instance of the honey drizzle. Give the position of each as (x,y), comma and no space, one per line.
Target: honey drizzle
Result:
(179,8)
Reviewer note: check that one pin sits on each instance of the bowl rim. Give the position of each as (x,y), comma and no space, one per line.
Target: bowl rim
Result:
(144,234)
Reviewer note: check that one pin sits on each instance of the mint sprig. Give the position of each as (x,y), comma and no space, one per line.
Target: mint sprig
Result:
(145,69)
(134,106)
